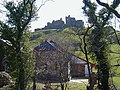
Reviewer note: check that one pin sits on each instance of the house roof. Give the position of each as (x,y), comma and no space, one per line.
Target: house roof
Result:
(51,45)
(45,46)
(48,46)
(80,60)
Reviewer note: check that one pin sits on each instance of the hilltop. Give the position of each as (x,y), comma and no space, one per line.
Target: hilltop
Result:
(60,24)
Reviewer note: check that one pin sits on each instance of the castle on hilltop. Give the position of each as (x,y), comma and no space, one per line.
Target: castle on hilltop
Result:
(60,24)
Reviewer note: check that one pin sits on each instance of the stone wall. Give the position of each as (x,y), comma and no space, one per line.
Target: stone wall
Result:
(50,65)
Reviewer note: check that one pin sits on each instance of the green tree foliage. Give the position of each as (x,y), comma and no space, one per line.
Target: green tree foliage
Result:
(98,39)
(14,33)
(112,9)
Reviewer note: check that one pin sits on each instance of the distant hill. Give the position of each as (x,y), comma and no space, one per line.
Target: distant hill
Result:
(67,38)
(68,33)
(61,37)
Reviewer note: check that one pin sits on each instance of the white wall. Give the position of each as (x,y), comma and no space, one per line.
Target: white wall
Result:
(86,70)
(69,76)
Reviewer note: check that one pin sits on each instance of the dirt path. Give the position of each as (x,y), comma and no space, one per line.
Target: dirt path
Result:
(85,81)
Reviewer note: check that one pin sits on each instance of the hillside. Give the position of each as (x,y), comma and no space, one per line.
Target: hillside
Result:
(67,38)
(70,41)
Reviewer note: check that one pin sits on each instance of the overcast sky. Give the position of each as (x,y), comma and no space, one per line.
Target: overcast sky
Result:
(56,9)
(60,9)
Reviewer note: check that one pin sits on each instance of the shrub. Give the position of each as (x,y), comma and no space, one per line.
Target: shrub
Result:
(5,79)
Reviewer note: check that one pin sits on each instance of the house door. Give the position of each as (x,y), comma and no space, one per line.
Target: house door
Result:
(78,70)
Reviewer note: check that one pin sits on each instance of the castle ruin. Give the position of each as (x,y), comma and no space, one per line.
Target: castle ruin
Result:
(60,24)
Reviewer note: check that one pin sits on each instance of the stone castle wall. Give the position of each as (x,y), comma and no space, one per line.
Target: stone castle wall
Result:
(60,24)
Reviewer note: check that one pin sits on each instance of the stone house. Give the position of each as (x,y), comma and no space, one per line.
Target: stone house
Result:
(56,65)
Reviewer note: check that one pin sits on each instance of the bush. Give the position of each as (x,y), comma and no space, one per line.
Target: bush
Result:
(5,79)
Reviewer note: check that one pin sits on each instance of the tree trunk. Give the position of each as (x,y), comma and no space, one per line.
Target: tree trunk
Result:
(105,76)
(2,67)
(101,57)
(90,87)
(103,71)
(62,86)
(21,77)
(21,68)
(34,81)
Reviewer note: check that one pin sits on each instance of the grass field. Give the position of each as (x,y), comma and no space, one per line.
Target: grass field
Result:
(70,86)
(116,81)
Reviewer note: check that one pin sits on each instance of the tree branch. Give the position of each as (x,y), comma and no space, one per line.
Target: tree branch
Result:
(86,55)
(116,36)
(43,3)
(110,8)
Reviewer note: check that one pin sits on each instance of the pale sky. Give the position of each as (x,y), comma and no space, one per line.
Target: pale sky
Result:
(60,9)
(56,10)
